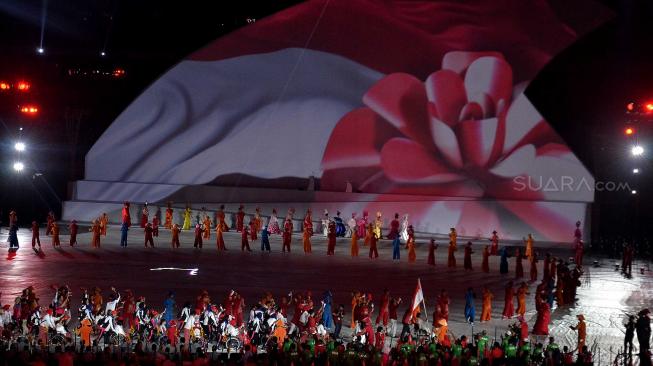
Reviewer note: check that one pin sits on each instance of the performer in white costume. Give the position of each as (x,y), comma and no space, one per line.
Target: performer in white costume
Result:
(403,233)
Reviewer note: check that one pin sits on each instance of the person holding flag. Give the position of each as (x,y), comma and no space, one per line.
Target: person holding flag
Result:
(410,316)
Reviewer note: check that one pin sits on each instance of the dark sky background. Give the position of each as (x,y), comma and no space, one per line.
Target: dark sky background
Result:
(582,92)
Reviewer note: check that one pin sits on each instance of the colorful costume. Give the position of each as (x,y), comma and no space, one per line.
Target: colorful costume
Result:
(308,231)
(451,260)
(273,223)
(55,235)
(104,223)
(470,309)
(50,219)
(155,226)
(265,240)
(411,249)
(541,326)
(221,219)
(287,236)
(374,253)
(220,238)
(340,225)
(521,299)
(529,246)
(325,224)
(187,220)
(378,224)
(95,242)
(258,221)
(351,225)
(126,217)
(207,227)
(253,230)
(453,237)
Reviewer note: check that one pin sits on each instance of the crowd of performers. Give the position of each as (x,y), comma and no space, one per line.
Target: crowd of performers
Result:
(301,327)
(357,229)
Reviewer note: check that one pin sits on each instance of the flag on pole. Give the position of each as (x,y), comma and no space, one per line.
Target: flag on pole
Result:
(418,298)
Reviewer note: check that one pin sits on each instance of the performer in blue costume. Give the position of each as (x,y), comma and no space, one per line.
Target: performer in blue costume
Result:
(503,266)
(470,309)
(340,226)
(169,305)
(326,312)
(396,244)
(265,241)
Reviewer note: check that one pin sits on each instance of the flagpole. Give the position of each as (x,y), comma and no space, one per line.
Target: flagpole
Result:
(426,312)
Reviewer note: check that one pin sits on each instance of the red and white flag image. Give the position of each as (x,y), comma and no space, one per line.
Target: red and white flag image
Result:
(418,298)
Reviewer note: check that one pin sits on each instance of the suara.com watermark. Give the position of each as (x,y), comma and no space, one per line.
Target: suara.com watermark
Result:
(567,183)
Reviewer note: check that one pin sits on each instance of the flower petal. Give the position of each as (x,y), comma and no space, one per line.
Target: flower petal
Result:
(446,90)
(405,161)
(458,61)
(478,139)
(446,142)
(401,99)
(489,75)
(521,119)
(486,103)
(471,111)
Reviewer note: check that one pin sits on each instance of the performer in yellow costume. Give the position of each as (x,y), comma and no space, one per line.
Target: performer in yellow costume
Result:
(186,225)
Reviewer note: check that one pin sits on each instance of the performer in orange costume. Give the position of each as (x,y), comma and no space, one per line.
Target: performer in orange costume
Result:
(96,233)
(308,231)
(240,218)
(453,237)
(104,222)
(55,235)
(451,260)
(411,244)
(508,305)
(486,313)
(331,246)
(354,243)
(521,298)
(467,262)
(168,222)
(529,246)
(85,329)
(494,249)
(431,257)
(220,216)
(207,227)
(220,239)
(485,264)
(155,226)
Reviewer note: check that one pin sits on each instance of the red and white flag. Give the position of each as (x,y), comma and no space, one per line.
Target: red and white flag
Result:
(418,298)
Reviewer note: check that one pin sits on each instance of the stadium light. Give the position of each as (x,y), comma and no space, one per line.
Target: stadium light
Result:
(629,131)
(636,171)
(40,50)
(29,109)
(4,85)
(18,166)
(637,150)
(649,107)
(633,191)
(23,86)
(19,146)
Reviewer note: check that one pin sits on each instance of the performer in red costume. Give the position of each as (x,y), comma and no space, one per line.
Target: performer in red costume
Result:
(508,301)
(244,239)
(494,249)
(35,235)
(126,218)
(331,246)
(73,232)
(145,215)
(287,235)
(48,228)
(384,309)
(308,231)
(394,227)
(240,218)
(55,235)
(220,239)
(148,235)
(95,242)
(541,326)
(431,257)
(578,254)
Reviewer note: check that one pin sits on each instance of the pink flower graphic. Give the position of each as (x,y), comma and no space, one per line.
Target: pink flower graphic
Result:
(461,133)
